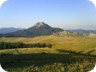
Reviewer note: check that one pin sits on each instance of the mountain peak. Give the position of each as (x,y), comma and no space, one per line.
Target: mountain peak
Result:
(39,29)
(39,24)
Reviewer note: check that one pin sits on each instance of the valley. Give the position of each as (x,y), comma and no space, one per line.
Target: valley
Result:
(42,48)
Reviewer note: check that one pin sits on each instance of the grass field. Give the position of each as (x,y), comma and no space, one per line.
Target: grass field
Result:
(77,44)
(68,54)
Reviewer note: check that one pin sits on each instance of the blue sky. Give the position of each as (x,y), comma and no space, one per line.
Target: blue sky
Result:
(66,14)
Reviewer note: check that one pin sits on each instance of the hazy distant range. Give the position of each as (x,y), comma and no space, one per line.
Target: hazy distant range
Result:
(9,30)
(12,29)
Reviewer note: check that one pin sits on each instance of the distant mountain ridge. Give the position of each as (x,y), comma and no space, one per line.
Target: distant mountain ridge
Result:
(39,29)
(43,29)
(82,31)
(8,30)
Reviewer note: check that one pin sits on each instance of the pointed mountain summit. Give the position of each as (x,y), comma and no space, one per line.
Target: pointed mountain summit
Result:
(39,29)
(39,24)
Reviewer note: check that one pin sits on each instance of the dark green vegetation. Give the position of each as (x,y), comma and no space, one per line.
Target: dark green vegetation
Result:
(46,62)
(9,45)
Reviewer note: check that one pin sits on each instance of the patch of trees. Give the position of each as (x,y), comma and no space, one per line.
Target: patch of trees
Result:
(9,45)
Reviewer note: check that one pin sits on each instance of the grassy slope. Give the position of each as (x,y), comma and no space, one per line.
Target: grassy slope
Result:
(60,65)
(64,43)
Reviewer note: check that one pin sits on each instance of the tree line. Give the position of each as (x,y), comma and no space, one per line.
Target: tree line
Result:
(9,45)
